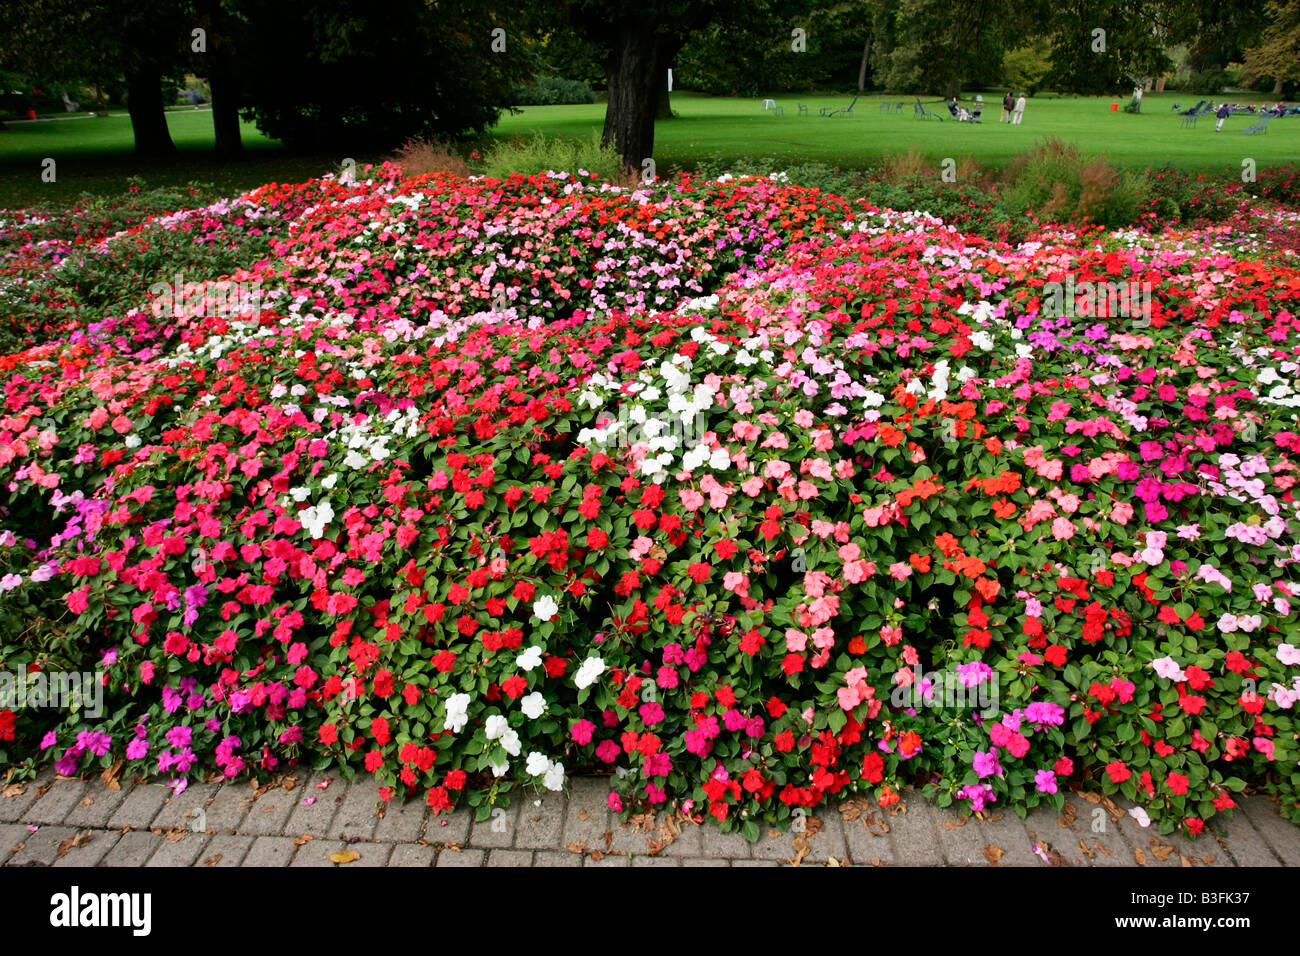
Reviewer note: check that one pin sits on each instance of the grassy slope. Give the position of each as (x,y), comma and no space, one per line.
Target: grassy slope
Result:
(95,154)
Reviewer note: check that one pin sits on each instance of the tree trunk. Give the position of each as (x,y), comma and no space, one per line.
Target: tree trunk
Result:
(634,78)
(1277,87)
(663,104)
(144,101)
(225,109)
(862,69)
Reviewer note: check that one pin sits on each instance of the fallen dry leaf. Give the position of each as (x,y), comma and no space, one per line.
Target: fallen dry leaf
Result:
(1160,850)
(655,847)
(1207,860)
(212,860)
(13,790)
(813,826)
(875,861)
(993,854)
(576,847)
(110,776)
(177,833)
(344,856)
(81,839)
(1139,857)
(583,814)
(801,850)
(1183,861)
(873,823)
(1090,797)
(305,838)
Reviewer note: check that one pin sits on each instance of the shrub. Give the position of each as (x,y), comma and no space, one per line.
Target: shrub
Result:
(539,154)
(419,156)
(1055,182)
(552,91)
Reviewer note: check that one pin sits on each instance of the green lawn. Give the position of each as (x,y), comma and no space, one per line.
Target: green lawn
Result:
(96,154)
(727,129)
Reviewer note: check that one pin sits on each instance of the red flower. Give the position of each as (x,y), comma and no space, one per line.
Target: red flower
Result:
(1177,783)
(438,799)
(873,767)
(1194,824)
(329,734)
(379,728)
(455,780)
(1118,771)
(374,760)
(6,724)
(514,686)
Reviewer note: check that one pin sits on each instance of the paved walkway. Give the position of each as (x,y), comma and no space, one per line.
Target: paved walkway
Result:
(307,819)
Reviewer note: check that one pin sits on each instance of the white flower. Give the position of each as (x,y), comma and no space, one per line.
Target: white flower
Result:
(537,764)
(1288,654)
(316,518)
(1140,815)
(495,726)
(499,770)
(545,607)
(510,743)
(1168,668)
(533,706)
(457,713)
(591,668)
(554,779)
(720,460)
(529,659)
(355,459)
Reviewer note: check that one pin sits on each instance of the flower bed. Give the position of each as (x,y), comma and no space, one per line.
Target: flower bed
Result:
(755,495)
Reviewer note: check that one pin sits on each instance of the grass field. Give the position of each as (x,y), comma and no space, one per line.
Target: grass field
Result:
(96,154)
(727,129)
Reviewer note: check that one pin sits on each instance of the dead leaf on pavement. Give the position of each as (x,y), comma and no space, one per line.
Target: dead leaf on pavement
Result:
(993,854)
(81,839)
(1183,861)
(1139,857)
(305,838)
(576,847)
(13,790)
(1207,860)
(1160,850)
(873,823)
(212,860)
(1090,797)
(177,833)
(583,814)
(87,801)
(344,856)
(801,850)
(110,776)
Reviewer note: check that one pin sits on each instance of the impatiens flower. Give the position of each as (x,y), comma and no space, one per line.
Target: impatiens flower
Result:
(591,668)
(545,608)
(529,659)
(533,706)
(1168,668)
(1045,781)
(457,712)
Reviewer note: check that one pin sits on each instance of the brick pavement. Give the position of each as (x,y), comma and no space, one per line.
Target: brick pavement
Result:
(299,822)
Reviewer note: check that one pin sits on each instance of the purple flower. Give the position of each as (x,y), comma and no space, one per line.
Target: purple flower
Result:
(986,763)
(137,748)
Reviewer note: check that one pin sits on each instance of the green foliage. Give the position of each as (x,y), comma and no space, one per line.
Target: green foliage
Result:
(540,154)
(1026,67)
(552,91)
(1056,181)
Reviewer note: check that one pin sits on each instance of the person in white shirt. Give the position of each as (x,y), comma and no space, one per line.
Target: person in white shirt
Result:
(1020,109)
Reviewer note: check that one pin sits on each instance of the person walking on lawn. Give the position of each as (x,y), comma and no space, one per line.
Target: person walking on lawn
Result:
(1007,104)
(1222,113)
(1020,110)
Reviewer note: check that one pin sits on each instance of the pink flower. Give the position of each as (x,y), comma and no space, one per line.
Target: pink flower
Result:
(582,731)
(1045,781)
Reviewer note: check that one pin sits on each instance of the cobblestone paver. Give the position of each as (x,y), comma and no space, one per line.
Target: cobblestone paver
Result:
(321,819)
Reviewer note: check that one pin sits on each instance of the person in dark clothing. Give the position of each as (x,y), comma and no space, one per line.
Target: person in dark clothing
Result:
(1008,103)
(1222,113)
